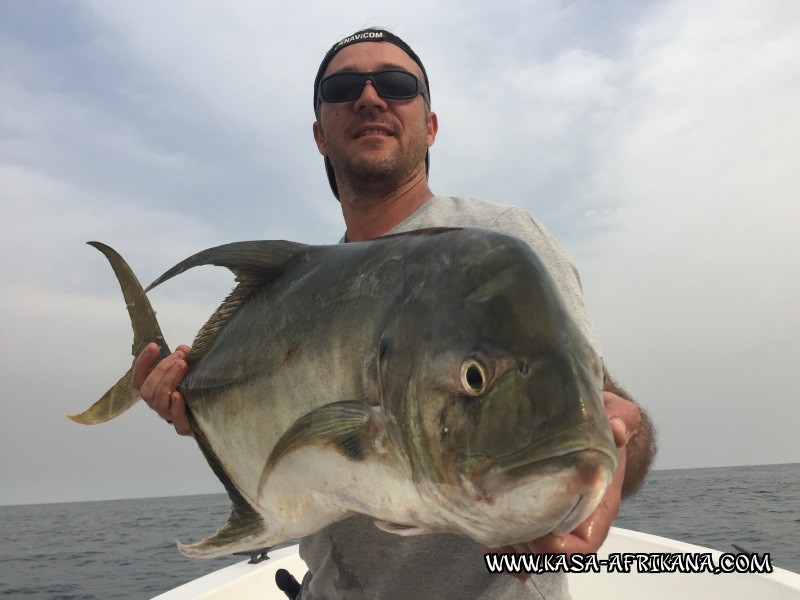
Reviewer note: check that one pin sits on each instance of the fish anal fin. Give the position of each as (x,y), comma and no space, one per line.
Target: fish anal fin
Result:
(245,528)
(349,427)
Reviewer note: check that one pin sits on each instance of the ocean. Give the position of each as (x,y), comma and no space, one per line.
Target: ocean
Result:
(126,548)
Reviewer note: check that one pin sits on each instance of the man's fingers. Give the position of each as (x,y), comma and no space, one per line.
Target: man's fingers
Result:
(623,416)
(178,414)
(162,381)
(162,401)
(143,364)
(157,385)
(550,543)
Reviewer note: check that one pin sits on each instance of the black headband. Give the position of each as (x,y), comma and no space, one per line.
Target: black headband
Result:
(366,35)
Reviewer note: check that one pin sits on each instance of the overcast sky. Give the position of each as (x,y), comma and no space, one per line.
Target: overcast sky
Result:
(659,142)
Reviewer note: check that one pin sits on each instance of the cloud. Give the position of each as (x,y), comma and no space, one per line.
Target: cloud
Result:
(694,280)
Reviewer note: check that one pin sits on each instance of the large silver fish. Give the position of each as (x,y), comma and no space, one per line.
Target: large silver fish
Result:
(433,380)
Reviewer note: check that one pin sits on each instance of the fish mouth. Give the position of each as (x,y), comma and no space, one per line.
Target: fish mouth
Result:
(582,447)
(572,518)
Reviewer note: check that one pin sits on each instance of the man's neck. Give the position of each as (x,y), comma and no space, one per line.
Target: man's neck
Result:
(370,215)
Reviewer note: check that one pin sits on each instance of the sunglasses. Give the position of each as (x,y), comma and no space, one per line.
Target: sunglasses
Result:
(391,84)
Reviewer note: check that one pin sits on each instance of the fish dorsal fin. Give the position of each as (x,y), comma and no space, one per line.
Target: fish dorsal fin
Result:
(243,258)
(253,263)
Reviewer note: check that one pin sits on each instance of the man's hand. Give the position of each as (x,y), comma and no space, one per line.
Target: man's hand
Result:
(158,385)
(624,417)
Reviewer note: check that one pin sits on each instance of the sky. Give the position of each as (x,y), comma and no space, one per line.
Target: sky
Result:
(657,140)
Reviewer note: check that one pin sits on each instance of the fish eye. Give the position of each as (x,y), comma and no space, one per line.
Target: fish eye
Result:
(473,377)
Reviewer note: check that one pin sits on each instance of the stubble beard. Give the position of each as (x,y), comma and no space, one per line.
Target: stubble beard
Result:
(369,174)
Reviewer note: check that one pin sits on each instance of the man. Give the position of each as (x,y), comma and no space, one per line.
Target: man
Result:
(374,127)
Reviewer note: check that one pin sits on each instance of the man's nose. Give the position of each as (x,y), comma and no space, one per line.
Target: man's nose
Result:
(369,99)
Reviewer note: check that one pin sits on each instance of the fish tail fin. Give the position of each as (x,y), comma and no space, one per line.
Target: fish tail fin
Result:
(121,396)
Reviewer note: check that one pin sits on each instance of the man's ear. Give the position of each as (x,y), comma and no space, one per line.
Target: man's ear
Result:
(433,128)
(319,138)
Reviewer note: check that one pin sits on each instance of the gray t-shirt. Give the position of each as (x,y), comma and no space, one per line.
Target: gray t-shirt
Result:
(446,211)
(353,559)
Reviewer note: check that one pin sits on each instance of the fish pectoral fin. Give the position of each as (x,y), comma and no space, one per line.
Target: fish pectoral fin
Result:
(349,427)
(399,529)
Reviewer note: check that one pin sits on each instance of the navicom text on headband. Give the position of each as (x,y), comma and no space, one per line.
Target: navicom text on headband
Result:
(390,84)
(367,35)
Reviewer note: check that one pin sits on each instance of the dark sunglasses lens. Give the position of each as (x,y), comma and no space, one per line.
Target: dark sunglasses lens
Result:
(395,84)
(342,87)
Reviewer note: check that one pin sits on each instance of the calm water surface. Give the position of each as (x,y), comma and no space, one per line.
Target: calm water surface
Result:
(126,548)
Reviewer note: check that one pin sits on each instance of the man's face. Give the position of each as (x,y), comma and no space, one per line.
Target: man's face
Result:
(371,138)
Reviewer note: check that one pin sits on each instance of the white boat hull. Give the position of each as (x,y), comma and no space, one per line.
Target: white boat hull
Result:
(244,581)
(777,585)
